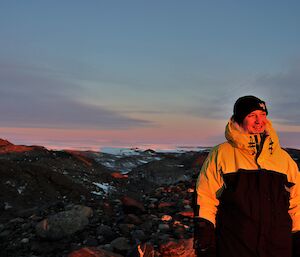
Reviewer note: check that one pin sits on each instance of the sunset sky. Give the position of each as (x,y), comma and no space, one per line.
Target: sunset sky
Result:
(154,74)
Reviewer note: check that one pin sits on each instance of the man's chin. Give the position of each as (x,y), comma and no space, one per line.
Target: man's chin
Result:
(258,131)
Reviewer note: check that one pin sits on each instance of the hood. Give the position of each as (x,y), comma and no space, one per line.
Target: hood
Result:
(238,138)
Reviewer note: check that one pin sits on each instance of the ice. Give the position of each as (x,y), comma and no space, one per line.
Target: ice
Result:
(104,186)
(21,189)
(121,151)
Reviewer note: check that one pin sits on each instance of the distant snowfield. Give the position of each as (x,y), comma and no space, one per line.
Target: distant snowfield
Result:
(121,151)
(139,150)
(124,159)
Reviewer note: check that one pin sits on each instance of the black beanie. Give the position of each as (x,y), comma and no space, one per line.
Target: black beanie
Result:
(246,104)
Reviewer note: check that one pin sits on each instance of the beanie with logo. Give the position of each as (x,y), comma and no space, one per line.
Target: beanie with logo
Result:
(245,105)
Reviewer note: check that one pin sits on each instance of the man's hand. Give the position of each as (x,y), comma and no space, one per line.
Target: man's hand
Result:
(204,238)
(296,244)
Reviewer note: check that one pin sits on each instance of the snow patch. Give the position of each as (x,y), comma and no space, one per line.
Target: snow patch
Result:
(10,183)
(21,189)
(7,206)
(121,151)
(104,186)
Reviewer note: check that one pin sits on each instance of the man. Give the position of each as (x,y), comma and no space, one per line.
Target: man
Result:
(248,191)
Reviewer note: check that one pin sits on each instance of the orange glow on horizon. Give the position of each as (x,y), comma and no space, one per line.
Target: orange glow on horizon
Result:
(169,134)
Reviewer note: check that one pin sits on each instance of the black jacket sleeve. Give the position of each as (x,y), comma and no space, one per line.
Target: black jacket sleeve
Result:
(204,238)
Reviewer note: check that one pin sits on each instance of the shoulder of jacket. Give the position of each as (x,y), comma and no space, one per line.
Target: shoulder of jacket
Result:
(286,155)
(225,147)
(221,149)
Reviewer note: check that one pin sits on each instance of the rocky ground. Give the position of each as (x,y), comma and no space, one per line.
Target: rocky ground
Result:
(72,203)
(75,204)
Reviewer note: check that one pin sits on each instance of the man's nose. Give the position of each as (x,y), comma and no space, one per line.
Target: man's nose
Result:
(257,119)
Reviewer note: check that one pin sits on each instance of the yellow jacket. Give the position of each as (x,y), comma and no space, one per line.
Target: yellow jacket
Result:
(239,160)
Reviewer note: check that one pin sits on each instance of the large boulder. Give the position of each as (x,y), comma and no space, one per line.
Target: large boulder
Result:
(64,223)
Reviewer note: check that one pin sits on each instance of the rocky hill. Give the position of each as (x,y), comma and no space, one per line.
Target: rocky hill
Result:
(75,203)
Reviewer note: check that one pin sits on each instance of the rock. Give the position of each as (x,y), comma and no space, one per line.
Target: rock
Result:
(142,250)
(189,214)
(25,240)
(166,204)
(179,232)
(163,238)
(182,248)
(26,226)
(153,200)
(82,210)
(107,233)
(43,248)
(16,220)
(91,242)
(5,234)
(166,218)
(126,229)
(138,235)
(147,225)
(93,252)
(119,175)
(190,190)
(133,219)
(131,205)
(25,213)
(64,223)
(120,244)
(108,247)
(163,227)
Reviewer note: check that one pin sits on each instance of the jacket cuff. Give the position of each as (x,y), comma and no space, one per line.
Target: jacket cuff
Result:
(296,224)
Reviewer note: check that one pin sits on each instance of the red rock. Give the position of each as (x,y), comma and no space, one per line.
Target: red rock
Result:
(189,214)
(186,202)
(93,252)
(191,190)
(81,157)
(182,248)
(130,202)
(166,218)
(8,147)
(119,175)
(166,204)
(143,250)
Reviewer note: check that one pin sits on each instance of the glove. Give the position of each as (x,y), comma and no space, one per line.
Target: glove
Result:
(204,238)
(296,244)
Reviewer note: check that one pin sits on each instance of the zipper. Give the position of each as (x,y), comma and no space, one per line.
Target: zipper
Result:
(259,146)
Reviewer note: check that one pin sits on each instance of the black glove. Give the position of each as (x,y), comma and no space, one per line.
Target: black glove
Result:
(204,238)
(296,244)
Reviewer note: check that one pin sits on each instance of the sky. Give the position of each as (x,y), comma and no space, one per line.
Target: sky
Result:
(153,74)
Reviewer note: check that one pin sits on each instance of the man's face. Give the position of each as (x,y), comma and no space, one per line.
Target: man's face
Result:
(255,122)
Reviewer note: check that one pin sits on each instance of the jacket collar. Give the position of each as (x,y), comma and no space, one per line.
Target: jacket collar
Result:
(238,138)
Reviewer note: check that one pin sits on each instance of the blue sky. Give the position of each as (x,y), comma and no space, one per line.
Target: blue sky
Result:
(89,74)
